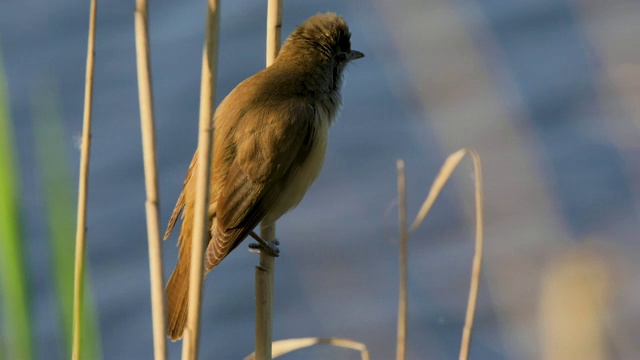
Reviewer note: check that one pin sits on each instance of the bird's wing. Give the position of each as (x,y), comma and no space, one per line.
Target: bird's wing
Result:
(181,200)
(259,172)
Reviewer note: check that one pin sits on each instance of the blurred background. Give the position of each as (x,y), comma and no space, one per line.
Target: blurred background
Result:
(547,91)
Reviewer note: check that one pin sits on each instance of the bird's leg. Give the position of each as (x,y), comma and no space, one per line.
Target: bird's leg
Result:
(270,247)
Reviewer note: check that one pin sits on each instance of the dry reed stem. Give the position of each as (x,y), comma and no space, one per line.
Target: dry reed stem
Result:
(145,93)
(283,347)
(201,218)
(264,297)
(85,151)
(264,272)
(477,259)
(274,28)
(443,176)
(402,226)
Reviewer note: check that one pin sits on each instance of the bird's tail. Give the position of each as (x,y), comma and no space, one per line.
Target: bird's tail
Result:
(178,285)
(178,297)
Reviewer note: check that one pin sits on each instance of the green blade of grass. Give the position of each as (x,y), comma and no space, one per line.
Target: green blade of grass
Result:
(59,198)
(13,277)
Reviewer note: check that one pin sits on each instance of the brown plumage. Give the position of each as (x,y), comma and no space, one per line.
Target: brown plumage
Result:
(270,137)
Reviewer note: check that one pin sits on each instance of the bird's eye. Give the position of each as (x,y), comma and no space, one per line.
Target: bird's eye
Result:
(342,57)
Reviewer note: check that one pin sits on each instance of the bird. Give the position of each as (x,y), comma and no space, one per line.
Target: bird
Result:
(269,142)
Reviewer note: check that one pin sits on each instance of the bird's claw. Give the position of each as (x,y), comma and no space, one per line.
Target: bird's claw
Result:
(270,247)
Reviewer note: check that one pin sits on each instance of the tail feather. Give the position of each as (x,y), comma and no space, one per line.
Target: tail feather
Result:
(178,299)
(178,286)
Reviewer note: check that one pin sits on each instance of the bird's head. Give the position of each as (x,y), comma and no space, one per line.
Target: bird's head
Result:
(322,44)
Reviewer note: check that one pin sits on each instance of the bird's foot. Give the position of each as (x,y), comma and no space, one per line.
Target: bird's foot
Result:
(270,247)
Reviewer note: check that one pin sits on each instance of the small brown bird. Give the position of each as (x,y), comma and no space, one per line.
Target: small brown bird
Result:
(269,142)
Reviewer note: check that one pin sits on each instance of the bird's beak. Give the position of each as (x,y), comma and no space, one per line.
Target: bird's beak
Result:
(355,54)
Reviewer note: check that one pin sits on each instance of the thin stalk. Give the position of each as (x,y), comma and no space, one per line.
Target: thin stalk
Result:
(145,93)
(201,218)
(264,297)
(78,287)
(59,198)
(264,272)
(402,227)
(274,29)
(450,164)
(477,259)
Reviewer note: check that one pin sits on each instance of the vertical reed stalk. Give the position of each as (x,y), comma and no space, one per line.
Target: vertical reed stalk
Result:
(402,226)
(274,29)
(264,297)
(59,202)
(477,259)
(145,93)
(264,272)
(201,218)
(82,187)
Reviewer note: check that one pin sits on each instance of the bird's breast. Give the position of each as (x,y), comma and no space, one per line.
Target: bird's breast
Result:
(300,181)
